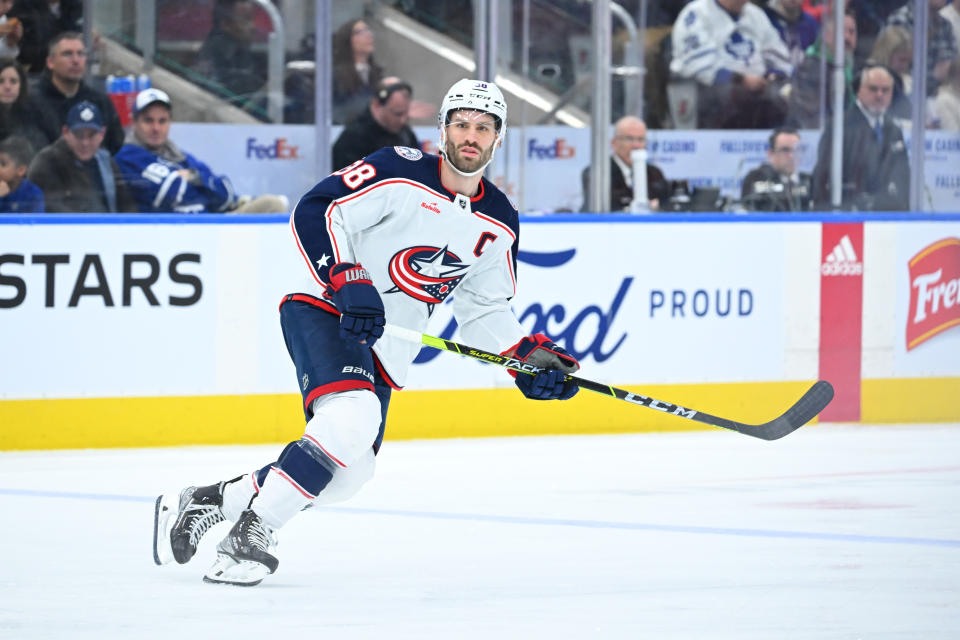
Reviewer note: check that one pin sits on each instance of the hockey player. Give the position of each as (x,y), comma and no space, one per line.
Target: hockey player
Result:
(387,237)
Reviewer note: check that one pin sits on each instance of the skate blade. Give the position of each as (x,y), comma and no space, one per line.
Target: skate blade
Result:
(240,573)
(164,511)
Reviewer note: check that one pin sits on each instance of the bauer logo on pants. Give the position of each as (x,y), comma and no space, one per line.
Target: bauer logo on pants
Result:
(934,291)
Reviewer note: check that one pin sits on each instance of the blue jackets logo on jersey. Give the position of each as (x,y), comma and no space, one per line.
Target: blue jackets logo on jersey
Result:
(425,273)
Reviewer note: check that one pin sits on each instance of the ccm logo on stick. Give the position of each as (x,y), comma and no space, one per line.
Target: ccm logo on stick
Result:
(675,409)
(139,271)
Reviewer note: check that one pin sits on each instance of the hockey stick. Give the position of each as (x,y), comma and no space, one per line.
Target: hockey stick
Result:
(803,411)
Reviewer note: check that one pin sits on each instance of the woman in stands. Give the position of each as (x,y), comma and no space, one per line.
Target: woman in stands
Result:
(893,49)
(15,115)
(354,71)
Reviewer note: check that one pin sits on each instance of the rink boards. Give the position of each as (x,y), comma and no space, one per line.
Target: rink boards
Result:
(152,331)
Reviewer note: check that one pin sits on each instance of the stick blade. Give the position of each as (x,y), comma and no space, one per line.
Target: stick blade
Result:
(803,411)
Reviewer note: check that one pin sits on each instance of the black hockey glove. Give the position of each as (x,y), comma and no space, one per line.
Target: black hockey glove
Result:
(551,384)
(361,310)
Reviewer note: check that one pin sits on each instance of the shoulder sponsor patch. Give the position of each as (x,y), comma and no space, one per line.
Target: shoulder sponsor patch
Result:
(408,153)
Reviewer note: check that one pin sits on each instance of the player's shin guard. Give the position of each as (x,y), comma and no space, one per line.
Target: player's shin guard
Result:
(301,472)
(244,556)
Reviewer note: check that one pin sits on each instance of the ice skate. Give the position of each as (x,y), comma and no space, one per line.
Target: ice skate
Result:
(180,521)
(243,557)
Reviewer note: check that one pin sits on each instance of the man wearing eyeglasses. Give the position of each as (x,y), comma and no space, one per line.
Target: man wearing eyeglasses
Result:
(876,169)
(629,133)
(776,185)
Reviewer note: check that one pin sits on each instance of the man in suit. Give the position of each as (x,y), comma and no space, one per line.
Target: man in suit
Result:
(876,171)
(629,133)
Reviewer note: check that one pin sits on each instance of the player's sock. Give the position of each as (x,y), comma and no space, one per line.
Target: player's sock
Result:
(238,494)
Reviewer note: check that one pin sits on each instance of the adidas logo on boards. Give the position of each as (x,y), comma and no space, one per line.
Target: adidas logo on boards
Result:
(842,261)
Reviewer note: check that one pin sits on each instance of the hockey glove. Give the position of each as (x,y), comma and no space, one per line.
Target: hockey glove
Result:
(361,310)
(551,384)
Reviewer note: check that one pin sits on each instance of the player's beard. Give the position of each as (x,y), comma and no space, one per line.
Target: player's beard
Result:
(467,165)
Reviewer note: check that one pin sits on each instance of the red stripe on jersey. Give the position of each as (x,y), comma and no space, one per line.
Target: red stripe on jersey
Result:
(296,237)
(496,222)
(440,173)
(253,477)
(329,455)
(317,302)
(513,276)
(333,387)
(293,482)
(367,190)
(328,214)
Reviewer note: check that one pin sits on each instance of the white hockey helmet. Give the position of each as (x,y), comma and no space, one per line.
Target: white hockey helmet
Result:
(473,95)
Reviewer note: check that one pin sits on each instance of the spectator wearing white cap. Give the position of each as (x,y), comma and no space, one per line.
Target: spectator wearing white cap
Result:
(164,178)
(75,173)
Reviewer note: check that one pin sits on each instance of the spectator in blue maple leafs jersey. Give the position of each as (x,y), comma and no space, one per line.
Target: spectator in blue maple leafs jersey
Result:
(164,178)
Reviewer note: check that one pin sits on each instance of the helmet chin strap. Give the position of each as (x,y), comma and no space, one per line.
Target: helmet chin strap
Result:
(465,174)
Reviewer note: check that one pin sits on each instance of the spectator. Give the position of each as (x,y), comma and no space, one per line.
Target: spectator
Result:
(629,133)
(776,185)
(355,73)
(946,106)
(62,87)
(876,172)
(75,174)
(17,194)
(299,82)
(383,124)
(42,21)
(16,117)
(811,90)
(165,179)
(797,29)
(941,43)
(11,31)
(952,15)
(226,56)
(893,49)
(738,60)
(818,9)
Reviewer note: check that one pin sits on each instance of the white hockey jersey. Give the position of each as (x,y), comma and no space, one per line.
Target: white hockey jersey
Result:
(709,43)
(419,242)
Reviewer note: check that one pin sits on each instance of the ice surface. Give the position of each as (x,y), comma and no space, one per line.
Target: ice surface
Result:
(833,532)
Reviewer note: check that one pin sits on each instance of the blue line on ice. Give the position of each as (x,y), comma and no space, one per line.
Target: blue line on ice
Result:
(550,522)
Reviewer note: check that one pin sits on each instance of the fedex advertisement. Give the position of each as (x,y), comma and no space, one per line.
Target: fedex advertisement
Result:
(538,167)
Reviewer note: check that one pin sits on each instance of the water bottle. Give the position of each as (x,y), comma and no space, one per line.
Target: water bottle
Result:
(126,98)
(115,92)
